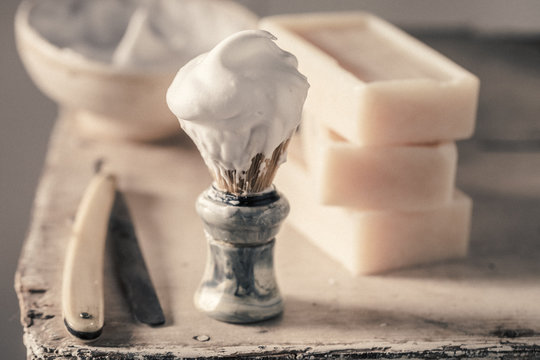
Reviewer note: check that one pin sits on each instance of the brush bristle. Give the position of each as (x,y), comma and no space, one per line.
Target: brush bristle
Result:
(257,178)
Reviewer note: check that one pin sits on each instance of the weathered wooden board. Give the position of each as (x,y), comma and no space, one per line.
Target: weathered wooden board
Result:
(487,305)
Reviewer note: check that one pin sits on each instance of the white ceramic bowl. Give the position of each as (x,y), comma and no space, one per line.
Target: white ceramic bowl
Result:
(109,101)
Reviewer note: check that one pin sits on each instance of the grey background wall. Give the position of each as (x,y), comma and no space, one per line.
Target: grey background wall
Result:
(27,117)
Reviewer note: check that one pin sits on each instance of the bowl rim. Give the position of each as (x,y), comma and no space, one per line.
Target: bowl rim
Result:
(26,33)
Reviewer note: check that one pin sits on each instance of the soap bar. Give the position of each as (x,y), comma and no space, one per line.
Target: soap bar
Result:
(373,84)
(414,177)
(368,242)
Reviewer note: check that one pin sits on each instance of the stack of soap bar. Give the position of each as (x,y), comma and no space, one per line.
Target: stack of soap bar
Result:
(375,184)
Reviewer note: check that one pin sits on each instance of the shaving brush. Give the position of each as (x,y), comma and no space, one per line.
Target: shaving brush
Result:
(240,103)
(242,213)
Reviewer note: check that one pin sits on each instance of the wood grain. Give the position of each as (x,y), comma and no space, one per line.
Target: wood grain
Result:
(484,306)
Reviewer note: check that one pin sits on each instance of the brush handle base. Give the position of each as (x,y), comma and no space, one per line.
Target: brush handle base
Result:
(239,284)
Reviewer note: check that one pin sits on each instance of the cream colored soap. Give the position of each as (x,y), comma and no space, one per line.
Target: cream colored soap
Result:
(414,177)
(373,84)
(368,242)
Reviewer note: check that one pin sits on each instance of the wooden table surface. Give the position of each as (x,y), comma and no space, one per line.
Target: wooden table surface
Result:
(485,306)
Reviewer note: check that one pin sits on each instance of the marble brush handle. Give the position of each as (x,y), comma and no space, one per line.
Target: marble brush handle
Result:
(239,284)
(82,288)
